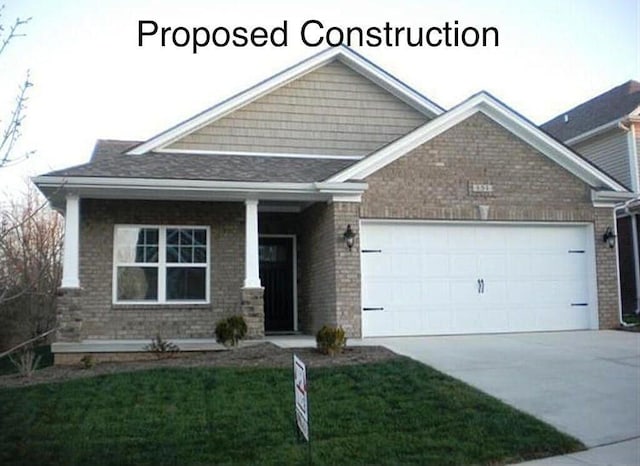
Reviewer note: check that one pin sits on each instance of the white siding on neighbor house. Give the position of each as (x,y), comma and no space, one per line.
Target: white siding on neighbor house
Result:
(332,110)
(610,153)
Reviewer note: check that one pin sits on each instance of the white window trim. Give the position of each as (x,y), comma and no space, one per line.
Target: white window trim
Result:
(162,268)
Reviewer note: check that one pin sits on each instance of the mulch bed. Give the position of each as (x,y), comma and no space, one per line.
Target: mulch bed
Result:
(259,355)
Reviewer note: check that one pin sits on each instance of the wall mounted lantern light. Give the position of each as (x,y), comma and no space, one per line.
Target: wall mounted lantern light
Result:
(349,237)
(609,237)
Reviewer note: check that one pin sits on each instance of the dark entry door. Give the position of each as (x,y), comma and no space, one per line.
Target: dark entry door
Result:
(276,275)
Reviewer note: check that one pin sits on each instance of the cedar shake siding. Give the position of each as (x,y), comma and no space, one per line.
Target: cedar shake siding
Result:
(332,110)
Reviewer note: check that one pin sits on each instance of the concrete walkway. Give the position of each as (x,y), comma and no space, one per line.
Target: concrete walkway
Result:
(584,383)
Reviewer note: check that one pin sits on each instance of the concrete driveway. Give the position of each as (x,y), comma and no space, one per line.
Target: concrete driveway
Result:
(584,383)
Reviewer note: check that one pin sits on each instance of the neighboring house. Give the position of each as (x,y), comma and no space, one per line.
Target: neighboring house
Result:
(332,193)
(606,131)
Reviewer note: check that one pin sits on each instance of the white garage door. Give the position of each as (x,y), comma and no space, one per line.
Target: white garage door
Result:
(429,279)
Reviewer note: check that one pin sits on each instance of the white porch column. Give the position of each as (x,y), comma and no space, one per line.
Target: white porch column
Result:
(70,276)
(251,256)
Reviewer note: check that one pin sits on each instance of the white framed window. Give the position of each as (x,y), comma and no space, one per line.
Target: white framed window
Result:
(154,264)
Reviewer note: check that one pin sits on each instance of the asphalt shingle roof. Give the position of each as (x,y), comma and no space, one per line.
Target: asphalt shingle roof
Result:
(109,159)
(609,106)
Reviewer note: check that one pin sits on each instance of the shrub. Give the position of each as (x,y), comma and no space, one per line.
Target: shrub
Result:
(162,348)
(26,361)
(87,361)
(229,331)
(331,340)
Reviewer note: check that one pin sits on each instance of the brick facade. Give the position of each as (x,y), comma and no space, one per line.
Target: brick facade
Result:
(98,318)
(430,183)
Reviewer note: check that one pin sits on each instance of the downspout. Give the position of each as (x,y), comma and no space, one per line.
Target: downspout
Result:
(634,173)
(625,208)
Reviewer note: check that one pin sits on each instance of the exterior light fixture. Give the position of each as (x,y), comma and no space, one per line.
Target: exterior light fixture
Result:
(349,237)
(609,237)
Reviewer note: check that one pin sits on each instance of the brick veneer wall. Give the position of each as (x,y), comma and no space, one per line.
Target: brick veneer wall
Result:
(100,319)
(316,275)
(431,182)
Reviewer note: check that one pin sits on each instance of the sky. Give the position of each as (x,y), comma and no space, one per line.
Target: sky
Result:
(92,80)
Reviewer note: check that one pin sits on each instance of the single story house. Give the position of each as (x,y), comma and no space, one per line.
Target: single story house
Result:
(332,193)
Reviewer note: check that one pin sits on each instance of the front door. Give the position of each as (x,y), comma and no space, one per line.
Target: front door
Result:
(276,275)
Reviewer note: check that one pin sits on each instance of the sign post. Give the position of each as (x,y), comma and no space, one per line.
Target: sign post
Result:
(301,400)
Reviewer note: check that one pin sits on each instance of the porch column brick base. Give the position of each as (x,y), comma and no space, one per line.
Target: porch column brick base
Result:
(69,315)
(253,311)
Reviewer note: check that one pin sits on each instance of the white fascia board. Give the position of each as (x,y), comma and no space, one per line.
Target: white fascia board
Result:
(344,54)
(405,93)
(594,132)
(611,197)
(192,189)
(260,154)
(553,149)
(514,123)
(400,147)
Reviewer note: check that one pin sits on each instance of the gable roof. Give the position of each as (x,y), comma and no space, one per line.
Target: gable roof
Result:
(611,106)
(342,53)
(502,114)
(110,160)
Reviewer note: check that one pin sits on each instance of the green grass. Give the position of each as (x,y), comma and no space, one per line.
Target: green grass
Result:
(397,412)
(46,360)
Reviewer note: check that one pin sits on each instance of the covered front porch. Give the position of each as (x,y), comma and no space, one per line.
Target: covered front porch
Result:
(278,259)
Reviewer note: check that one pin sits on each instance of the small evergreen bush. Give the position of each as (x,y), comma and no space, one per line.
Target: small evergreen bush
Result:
(331,340)
(231,330)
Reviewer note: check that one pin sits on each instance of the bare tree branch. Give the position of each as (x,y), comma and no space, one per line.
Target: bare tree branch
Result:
(11,131)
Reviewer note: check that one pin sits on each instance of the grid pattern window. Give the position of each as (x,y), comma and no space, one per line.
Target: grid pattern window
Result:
(161,264)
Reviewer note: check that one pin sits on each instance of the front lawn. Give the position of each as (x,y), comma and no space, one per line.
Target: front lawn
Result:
(396,412)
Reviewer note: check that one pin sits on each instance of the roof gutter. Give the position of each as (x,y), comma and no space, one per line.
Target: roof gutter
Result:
(150,188)
(617,123)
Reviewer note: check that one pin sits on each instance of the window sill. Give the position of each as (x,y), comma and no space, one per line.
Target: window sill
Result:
(185,306)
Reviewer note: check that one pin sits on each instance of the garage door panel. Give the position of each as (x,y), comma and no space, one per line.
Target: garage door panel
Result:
(438,321)
(462,264)
(435,265)
(519,265)
(436,294)
(463,292)
(406,293)
(375,292)
(406,264)
(492,265)
(426,278)
(459,237)
(377,265)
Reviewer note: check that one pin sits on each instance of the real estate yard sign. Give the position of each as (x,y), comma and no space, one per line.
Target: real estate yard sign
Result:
(301,401)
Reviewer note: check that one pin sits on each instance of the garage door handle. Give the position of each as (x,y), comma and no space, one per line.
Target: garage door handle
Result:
(373,308)
(480,285)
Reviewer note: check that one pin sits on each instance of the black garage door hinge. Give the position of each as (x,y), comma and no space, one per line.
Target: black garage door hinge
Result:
(373,308)
(371,250)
